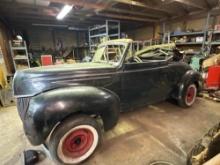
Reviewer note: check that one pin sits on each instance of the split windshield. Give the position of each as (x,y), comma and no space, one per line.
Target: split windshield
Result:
(111,53)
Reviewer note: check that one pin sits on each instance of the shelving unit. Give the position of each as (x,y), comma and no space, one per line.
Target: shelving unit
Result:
(214,41)
(100,33)
(186,40)
(19,54)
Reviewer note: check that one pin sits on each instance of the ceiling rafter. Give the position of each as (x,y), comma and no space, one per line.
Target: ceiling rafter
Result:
(196,14)
(24,15)
(117,10)
(127,17)
(83,3)
(192,4)
(141,4)
(98,7)
(51,11)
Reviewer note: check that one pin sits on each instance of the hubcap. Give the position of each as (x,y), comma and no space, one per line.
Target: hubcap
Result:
(77,143)
(190,95)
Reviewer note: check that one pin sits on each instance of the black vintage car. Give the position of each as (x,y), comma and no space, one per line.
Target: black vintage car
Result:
(60,105)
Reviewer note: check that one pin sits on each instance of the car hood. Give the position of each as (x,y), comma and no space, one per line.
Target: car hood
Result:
(30,82)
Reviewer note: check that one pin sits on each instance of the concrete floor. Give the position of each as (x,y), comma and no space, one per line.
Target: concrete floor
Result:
(160,132)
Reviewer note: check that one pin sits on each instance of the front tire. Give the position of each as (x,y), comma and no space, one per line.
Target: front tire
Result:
(74,140)
(188,96)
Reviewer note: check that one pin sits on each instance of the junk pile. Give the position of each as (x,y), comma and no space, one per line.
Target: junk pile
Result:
(6,94)
(211,68)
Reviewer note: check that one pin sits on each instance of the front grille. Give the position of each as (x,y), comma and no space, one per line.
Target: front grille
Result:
(22,105)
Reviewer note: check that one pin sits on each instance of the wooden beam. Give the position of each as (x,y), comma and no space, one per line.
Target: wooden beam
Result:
(39,17)
(101,7)
(30,22)
(143,5)
(192,4)
(127,17)
(82,3)
(193,15)
(11,7)
(124,11)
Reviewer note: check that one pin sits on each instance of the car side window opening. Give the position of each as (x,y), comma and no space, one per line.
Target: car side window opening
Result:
(153,55)
(156,55)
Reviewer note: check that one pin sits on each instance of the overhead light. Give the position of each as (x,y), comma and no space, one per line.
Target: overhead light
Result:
(133,2)
(19,37)
(64,11)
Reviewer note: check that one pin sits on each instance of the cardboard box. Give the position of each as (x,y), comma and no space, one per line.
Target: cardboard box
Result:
(214,60)
(217,27)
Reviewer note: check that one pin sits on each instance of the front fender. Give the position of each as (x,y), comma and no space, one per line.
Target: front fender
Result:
(47,109)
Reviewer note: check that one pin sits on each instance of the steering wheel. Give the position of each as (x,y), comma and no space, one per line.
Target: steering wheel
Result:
(137,59)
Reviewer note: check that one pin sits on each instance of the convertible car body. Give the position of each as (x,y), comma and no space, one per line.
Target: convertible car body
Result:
(59,105)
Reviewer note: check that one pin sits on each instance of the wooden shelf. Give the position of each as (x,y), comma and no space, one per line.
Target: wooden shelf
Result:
(20,58)
(98,35)
(216,32)
(97,28)
(215,43)
(187,34)
(18,48)
(189,43)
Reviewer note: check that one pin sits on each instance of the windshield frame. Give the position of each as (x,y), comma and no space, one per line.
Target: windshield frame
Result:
(116,64)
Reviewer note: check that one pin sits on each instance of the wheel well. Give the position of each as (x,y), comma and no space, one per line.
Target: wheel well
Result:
(95,116)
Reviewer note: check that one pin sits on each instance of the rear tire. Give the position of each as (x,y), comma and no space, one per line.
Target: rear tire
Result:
(188,96)
(74,140)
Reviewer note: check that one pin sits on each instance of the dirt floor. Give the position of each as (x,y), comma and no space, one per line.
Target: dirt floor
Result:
(159,132)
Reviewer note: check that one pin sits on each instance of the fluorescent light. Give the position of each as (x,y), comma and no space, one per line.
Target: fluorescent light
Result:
(64,11)
(19,37)
(133,2)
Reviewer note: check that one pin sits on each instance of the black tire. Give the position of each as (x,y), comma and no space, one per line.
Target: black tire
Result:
(75,139)
(206,148)
(188,95)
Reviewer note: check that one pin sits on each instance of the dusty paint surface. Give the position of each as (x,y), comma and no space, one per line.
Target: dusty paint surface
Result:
(159,132)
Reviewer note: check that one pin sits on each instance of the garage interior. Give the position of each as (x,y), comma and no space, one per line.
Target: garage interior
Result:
(37,34)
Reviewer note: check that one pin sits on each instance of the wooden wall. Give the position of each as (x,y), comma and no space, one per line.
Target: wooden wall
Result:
(4,43)
(149,32)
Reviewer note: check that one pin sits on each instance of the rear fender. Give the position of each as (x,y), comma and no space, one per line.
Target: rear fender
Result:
(190,76)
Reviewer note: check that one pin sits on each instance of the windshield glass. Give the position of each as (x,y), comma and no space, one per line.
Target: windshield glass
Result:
(111,54)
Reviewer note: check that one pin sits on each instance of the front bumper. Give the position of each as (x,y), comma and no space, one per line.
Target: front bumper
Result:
(29,123)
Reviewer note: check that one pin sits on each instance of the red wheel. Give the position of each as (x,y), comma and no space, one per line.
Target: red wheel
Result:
(78,144)
(190,95)
(75,140)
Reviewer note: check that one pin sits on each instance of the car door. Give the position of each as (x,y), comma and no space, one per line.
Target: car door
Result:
(144,83)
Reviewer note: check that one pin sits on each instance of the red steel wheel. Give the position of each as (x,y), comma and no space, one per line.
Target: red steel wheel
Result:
(77,144)
(190,94)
